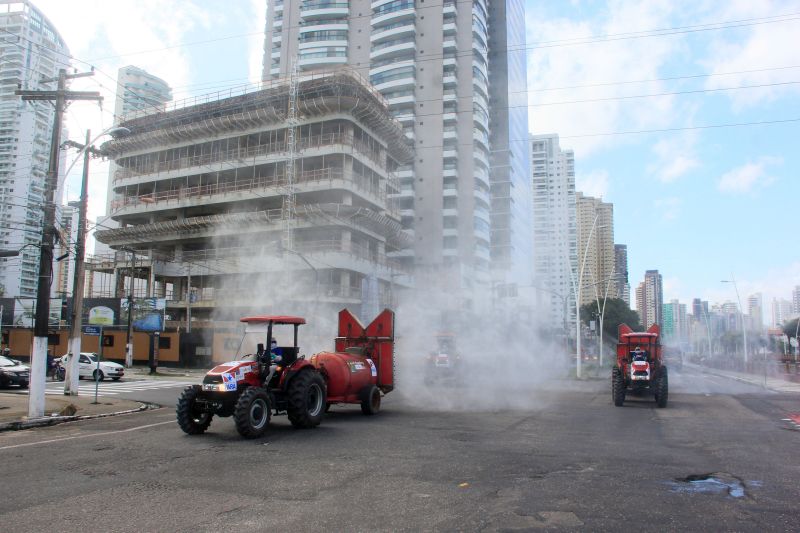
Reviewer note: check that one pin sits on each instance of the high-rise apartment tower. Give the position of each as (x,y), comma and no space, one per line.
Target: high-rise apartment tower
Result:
(595,247)
(31,54)
(554,232)
(465,197)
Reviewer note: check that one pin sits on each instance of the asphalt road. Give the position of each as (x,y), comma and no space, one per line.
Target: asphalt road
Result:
(568,460)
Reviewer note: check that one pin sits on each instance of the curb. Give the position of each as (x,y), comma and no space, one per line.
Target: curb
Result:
(757,382)
(19,425)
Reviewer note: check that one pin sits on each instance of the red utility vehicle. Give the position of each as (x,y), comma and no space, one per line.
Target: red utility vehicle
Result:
(444,363)
(254,386)
(640,367)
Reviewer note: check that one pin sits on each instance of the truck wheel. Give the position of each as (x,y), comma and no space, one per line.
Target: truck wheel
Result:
(191,417)
(306,399)
(617,386)
(662,388)
(252,413)
(370,400)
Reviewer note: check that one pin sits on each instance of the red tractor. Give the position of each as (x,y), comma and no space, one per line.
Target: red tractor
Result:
(444,364)
(640,367)
(280,381)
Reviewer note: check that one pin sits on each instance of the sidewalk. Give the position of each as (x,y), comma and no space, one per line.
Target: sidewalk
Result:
(14,401)
(14,409)
(773,383)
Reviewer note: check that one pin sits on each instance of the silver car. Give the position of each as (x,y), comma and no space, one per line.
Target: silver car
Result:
(13,373)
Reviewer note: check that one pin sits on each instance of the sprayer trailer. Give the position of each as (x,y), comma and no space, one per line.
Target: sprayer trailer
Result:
(278,380)
(640,366)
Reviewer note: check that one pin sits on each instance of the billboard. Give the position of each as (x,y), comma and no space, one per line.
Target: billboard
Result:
(148,313)
(25,312)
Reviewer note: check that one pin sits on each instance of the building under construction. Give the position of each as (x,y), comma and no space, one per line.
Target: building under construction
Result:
(276,200)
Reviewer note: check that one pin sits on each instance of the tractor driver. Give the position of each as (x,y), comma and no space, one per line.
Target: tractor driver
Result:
(638,354)
(276,352)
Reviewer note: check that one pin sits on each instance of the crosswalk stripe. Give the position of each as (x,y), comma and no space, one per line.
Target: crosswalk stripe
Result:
(114,388)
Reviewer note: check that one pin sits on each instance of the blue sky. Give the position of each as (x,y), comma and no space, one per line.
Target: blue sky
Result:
(697,204)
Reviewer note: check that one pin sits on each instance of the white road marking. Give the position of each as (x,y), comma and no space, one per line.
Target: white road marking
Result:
(114,388)
(50,441)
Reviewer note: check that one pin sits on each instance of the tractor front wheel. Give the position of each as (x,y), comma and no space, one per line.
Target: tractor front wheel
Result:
(617,386)
(191,418)
(370,400)
(252,413)
(306,399)
(662,388)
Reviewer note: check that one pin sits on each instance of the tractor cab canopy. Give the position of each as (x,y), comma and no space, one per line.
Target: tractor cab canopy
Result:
(263,325)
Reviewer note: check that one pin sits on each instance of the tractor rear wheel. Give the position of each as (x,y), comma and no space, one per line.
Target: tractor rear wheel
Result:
(252,413)
(370,400)
(191,418)
(617,386)
(662,388)
(306,399)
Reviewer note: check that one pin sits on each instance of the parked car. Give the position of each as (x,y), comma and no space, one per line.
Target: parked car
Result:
(87,366)
(13,373)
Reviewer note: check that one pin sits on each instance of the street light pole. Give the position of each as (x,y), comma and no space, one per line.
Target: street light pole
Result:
(741,312)
(128,344)
(578,301)
(603,310)
(72,368)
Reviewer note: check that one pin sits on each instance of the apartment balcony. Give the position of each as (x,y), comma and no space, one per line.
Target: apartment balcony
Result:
(399,83)
(382,15)
(401,101)
(329,42)
(483,88)
(313,59)
(324,9)
(398,30)
(391,65)
(449,7)
(451,153)
(389,49)
(321,26)
(449,80)
(483,195)
(324,179)
(481,139)
(480,157)
(449,118)
(450,173)
(449,45)
(250,156)
(334,253)
(449,29)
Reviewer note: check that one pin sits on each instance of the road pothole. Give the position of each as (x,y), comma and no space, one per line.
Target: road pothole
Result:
(721,483)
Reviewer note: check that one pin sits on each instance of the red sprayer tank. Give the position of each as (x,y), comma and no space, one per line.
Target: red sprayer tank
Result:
(363,358)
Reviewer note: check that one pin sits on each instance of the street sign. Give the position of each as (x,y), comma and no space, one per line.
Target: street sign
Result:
(91,330)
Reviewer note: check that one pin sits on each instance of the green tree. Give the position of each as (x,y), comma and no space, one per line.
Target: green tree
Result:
(616,312)
(790,329)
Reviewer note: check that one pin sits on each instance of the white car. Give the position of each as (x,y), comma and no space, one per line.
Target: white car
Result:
(88,366)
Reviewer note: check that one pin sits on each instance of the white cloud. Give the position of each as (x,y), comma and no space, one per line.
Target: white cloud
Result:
(755,47)
(675,157)
(668,208)
(747,177)
(255,44)
(594,183)
(559,64)
(109,35)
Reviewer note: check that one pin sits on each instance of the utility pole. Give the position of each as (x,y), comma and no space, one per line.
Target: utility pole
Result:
(72,368)
(39,353)
(128,345)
